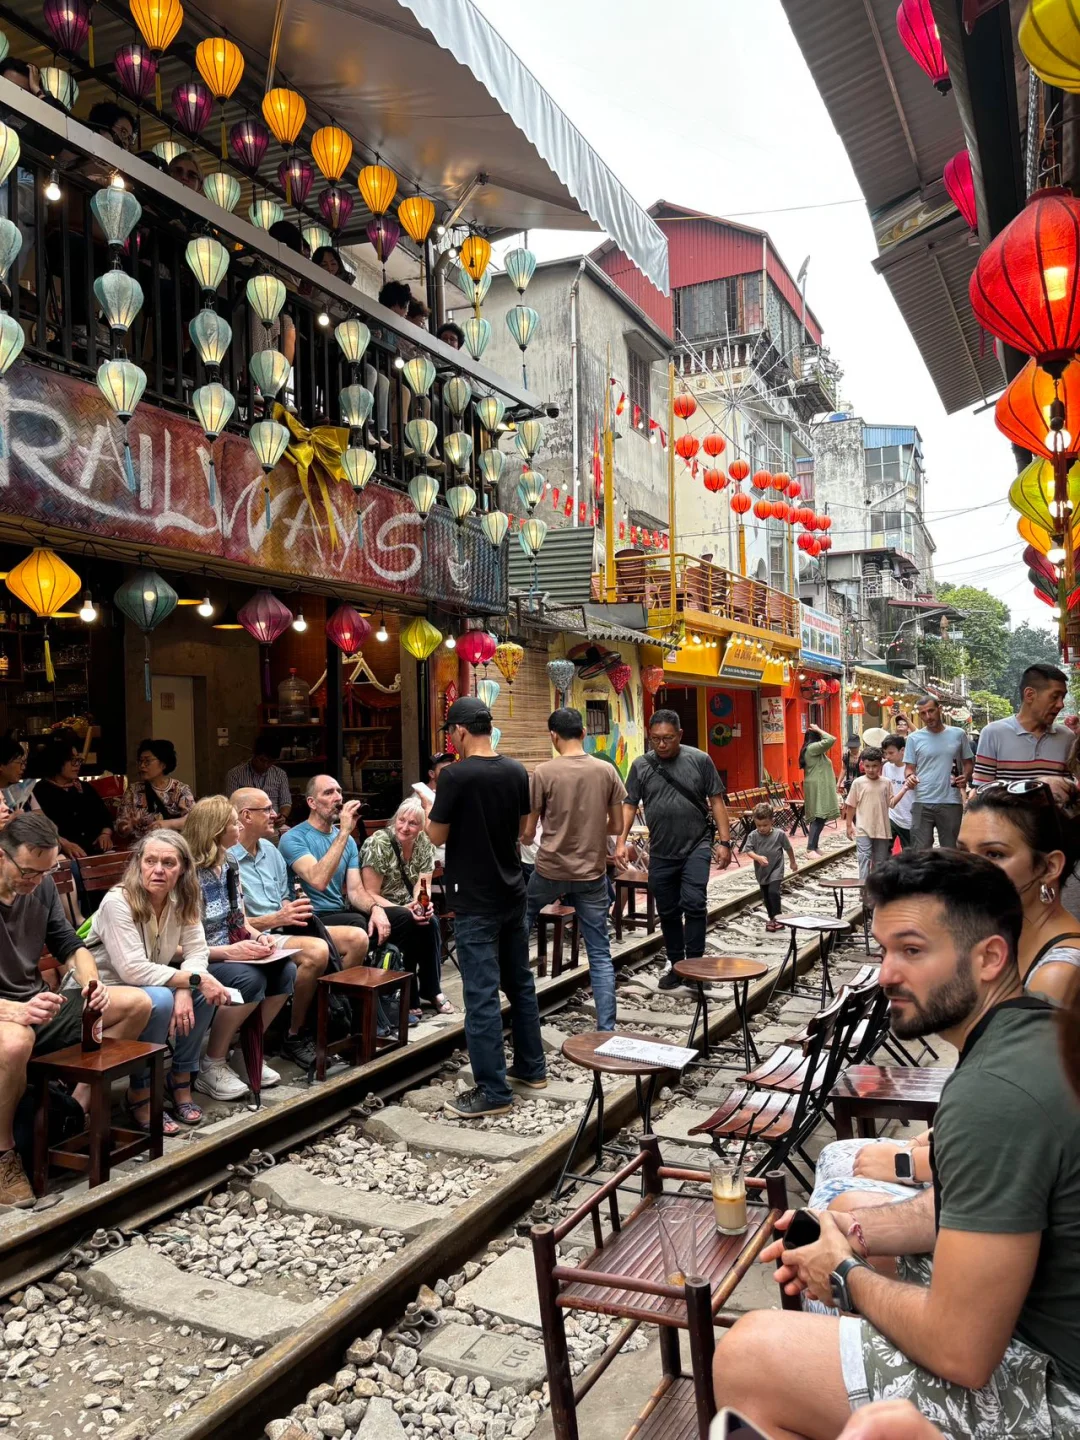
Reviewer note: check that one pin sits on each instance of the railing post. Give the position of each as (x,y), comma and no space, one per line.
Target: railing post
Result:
(560,1381)
(702,1348)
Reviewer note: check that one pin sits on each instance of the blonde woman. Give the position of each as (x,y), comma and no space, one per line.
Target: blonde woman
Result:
(211,828)
(142,924)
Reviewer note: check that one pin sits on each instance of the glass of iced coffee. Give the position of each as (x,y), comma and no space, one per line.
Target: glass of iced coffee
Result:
(729,1195)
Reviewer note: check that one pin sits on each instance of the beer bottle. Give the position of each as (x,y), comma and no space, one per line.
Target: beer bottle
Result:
(92,1023)
(423,899)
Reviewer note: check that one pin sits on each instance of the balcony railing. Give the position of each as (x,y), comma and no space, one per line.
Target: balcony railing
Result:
(703,588)
(64,251)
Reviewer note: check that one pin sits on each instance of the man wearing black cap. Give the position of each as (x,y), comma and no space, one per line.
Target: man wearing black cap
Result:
(480,809)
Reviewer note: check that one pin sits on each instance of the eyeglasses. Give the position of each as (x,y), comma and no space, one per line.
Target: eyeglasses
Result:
(28,870)
(259,809)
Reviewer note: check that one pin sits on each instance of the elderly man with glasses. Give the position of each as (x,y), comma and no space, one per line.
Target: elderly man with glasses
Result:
(269,906)
(33,1019)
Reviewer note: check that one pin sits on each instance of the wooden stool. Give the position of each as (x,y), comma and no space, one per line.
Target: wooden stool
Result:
(732,970)
(581,1050)
(102,1144)
(362,986)
(556,916)
(628,884)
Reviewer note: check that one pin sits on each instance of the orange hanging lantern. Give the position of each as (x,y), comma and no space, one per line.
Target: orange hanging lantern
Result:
(417,215)
(740,503)
(714,479)
(738,470)
(221,66)
(763,509)
(762,479)
(1040,414)
(855,704)
(475,254)
(331,149)
(714,445)
(159,22)
(780,481)
(684,406)
(794,490)
(378,186)
(687,446)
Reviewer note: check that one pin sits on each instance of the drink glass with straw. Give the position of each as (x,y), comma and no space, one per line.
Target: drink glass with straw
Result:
(729,1195)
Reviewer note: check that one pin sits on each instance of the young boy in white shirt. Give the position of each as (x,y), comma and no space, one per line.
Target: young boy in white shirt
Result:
(866,811)
(903,794)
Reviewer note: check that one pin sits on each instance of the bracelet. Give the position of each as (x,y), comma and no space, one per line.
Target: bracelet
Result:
(855,1232)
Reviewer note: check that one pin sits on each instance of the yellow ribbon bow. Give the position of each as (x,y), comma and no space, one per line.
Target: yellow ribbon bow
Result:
(320,449)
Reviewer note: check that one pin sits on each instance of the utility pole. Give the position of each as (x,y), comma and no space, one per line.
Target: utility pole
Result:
(609,491)
(671,489)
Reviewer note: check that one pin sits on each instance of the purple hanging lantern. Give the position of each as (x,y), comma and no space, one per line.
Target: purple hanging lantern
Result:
(297,175)
(265,618)
(193,103)
(384,232)
(335,206)
(136,71)
(68,22)
(248,141)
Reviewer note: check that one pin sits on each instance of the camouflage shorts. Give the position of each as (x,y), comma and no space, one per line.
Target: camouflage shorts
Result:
(1023,1400)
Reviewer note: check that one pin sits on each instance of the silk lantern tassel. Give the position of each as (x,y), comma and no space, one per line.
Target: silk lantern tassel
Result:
(50,673)
(147,692)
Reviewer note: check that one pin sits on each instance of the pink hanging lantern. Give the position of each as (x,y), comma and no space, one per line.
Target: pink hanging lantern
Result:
(960,184)
(348,629)
(335,206)
(192,103)
(136,71)
(265,618)
(68,22)
(620,676)
(384,232)
(297,175)
(248,141)
(476,647)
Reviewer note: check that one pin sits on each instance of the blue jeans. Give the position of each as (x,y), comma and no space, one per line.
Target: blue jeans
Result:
(493,953)
(679,887)
(186,1048)
(589,898)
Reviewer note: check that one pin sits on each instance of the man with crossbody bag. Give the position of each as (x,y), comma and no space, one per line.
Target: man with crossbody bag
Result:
(684,809)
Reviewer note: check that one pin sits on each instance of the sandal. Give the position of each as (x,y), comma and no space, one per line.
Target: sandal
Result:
(441,1005)
(185,1110)
(168,1124)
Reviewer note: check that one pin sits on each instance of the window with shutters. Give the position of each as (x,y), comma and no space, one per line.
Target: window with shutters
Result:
(638,370)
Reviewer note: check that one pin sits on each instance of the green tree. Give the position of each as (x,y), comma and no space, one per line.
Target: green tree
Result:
(944,659)
(985,628)
(1028,645)
(986,706)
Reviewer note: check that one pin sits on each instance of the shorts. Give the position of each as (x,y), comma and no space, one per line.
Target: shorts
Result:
(64,1029)
(1024,1399)
(256,982)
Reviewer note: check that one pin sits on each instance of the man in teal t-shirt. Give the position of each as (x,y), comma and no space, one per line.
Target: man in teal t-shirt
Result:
(930,756)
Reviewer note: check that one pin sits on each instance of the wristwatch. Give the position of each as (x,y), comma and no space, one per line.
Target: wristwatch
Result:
(727,843)
(838,1279)
(905,1166)
(194,978)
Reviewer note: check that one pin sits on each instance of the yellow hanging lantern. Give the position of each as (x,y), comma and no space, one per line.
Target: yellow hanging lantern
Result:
(378,186)
(221,65)
(417,215)
(284,112)
(508,657)
(475,254)
(331,149)
(420,638)
(159,23)
(1032,493)
(44,583)
(1049,36)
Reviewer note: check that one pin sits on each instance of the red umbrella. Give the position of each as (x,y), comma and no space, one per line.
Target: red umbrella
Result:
(251,1047)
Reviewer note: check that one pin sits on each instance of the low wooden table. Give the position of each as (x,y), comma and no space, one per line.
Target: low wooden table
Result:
(865,1093)
(102,1144)
(826,928)
(731,970)
(362,986)
(839,889)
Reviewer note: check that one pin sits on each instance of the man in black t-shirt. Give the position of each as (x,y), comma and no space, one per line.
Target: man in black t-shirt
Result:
(479,811)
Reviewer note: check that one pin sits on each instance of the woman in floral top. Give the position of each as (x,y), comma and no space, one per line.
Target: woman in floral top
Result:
(154,802)
(393,862)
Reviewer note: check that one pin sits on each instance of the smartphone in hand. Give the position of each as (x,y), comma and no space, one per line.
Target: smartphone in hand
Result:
(803,1230)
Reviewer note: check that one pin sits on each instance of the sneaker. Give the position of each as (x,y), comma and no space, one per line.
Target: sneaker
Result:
(474,1105)
(270,1078)
(14,1186)
(300,1050)
(218,1081)
(670,981)
(540,1083)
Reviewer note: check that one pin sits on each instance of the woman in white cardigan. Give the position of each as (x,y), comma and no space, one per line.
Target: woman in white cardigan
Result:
(143,925)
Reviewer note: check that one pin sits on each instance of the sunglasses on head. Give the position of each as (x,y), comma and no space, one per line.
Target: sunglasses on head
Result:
(1021,787)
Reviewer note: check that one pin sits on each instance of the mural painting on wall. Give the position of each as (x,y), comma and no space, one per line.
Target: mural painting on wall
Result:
(595,666)
(61,464)
(722,730)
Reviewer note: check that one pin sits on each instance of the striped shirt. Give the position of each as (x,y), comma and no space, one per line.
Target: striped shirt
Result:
(274,784)
(1009,752)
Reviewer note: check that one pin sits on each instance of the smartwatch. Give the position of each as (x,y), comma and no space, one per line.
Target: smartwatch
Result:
(194,978)
(724,842)
(838,1280)
(905,1166)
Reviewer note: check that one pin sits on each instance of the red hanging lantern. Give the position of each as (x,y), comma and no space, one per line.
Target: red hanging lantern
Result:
(763,509)
(814,548)
(1027,415)
(780,481)
(782,511)
(855,704)
(918,30)
(684,405)
(265,618)
(960,186)
(714,479)
(825,542)
(348,629)
(740,503)
(738,470)
(804,542)
(714,445)
(832,687)
(762,480)
(652,677)
(1026,285)
(794,490)
(826,522)
(687,446)
(476,647)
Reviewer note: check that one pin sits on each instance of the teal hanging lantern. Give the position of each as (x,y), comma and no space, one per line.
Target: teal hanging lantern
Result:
(12,340)
(457,392)
(122,384)
(269,369)
(117,212)
(208,260)
(421,435)
(316,237)
(10,245)
(531,489)
(520,267)
(146,600)
(353,338)
(530,435)
(269,440)
(419,374)
(359,466)
(213,407)
(532,535)
(494,525)
(265,213)
(522,321)
(121,298)
(474,290)
(423,492)
(211,336)
(487,692)
(222,189)
(266,296)
(490,411)
(356,406)
(458,449)
(491,465)
(477,334)
(461,500)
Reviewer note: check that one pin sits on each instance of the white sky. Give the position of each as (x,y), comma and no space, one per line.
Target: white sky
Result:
(708,103)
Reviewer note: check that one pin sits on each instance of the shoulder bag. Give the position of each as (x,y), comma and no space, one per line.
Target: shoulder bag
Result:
(710,825)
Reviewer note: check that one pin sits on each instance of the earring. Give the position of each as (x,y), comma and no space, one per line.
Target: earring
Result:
(1046,894)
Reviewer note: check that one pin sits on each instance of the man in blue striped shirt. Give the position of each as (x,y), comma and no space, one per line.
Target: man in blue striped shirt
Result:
(260,773)
(1029,745)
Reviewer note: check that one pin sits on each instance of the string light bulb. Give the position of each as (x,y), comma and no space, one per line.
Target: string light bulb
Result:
(381,634)
(299,624)
(88,611)
(450,642)
(52,189)
(206,608)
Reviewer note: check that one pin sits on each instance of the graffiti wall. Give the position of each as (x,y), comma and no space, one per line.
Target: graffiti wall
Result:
(614,728)
(61,463)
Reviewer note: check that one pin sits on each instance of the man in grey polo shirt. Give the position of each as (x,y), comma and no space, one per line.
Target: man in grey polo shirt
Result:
(269,906)
(1029,745)
(929,757)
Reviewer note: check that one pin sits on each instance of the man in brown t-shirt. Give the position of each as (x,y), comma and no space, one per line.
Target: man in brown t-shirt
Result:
(577,800)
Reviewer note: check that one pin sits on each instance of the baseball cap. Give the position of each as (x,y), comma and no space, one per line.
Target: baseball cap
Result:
(465,711)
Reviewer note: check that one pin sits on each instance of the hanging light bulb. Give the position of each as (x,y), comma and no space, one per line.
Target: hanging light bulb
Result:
(423,492)
(1056,556)
(206,607)
(299,624)
(52,187)
(450,643)
(322,319)
(381,633)
(117,181)
(88,610)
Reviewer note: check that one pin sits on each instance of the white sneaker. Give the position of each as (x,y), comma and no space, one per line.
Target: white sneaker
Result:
(217,1080)
(269,1077)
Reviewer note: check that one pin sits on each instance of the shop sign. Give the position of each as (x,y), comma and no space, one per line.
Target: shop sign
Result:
(821,639)
(742,660)
(61,464)
(772,720)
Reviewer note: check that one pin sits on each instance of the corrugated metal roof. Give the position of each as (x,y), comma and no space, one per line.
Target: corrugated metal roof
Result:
(577,620)
(561,571)
(876,437)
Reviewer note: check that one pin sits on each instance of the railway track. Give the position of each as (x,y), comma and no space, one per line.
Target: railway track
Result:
(222,1288)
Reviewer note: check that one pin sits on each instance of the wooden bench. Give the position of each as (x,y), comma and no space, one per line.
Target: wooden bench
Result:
(362,986)
(95,873)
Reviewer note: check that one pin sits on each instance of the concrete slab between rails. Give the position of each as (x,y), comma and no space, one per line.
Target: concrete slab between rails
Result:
(507,1288)
(291,1187)
(676,1122)
(141,1280)
(502,1359)
(397,1122)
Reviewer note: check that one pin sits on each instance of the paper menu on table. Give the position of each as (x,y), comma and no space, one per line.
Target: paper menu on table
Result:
(646,1052)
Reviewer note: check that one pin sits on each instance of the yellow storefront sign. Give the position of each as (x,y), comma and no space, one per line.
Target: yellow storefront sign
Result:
(743,660)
